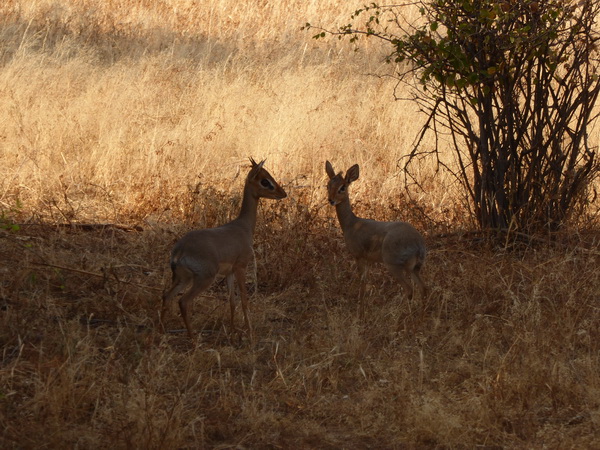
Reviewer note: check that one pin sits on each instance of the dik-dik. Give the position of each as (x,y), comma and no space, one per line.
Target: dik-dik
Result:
(398,245)
(201,255)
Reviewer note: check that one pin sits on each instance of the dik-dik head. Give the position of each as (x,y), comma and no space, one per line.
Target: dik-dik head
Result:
(337,188)
(262,183)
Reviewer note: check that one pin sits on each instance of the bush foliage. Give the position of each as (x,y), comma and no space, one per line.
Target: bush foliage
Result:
(513,86)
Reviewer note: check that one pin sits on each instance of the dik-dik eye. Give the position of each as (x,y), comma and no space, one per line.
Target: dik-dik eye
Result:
(267,184)
(342,189)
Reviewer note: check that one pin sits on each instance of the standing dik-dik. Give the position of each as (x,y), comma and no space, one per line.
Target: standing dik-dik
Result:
(396,244)
(201,255)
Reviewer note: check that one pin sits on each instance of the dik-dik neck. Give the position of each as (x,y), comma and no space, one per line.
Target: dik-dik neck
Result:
(248,211)
(345,215)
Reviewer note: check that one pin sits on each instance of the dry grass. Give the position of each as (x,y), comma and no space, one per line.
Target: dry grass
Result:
(142,114)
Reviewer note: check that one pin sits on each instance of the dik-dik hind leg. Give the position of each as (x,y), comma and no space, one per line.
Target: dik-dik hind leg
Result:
(168,296)
(416,276)
(185,302)
(402,274)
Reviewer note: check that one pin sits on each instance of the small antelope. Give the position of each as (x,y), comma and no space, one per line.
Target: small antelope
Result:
(201,255)
(397,245)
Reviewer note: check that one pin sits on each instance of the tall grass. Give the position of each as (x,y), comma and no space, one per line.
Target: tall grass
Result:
(141,115)
(90,92)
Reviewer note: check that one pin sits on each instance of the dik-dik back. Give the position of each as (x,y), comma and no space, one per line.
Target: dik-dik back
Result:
(387,242)
(213,251)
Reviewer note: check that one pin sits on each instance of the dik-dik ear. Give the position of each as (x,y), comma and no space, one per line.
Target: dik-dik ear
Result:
(254,164)
(329,169)
(352,174)
(255,167)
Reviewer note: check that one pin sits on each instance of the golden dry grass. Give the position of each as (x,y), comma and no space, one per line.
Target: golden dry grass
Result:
(142,114)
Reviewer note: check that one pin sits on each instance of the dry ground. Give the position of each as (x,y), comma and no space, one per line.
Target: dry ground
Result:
(503,352)
(124,124)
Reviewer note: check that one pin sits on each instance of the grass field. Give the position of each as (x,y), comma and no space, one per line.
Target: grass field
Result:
(126,123)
